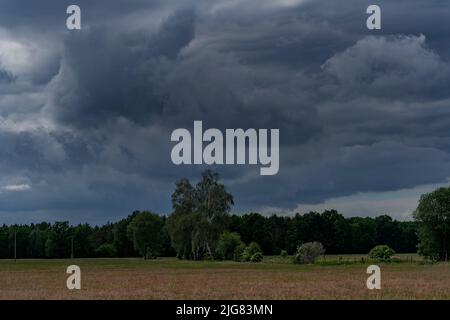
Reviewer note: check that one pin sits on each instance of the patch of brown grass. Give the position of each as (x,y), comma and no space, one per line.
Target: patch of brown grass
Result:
(172,279)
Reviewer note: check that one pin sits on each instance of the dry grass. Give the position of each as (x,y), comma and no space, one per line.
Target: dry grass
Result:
(172,279)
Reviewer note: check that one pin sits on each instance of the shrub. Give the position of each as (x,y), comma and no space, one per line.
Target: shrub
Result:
(283,254)
(105,250)
(381,253)
(226,247)
(257,257)
(149,254)
(238,252)
(250,251)
(308,252)
(208,257)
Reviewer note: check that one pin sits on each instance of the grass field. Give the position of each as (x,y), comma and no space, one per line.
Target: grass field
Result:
(169,278)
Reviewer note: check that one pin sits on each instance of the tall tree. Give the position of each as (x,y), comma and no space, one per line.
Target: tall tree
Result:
(363,234)
(253,227)
(387,232)
(37,238)
(146,232)
(59,240)
(433,216)
(83,241)
(200,215)
(122,244)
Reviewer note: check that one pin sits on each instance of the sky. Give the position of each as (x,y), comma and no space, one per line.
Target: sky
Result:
(86,115)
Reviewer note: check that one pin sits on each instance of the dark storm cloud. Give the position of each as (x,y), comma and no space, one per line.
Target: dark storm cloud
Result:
(86,125)
(49,15)
(6,77)
(105,76)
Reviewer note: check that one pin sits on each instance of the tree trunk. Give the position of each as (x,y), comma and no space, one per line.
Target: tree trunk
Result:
(209,249)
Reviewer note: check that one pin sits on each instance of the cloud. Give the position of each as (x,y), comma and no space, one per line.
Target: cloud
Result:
(86,116)
(118,77)
(399,204)
(16,187)
(389,66)
(28,61)
(6,76)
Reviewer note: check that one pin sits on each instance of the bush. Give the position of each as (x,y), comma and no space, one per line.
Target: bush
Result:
(208,257)
(283,254)
(238,252)
(149,254)
(257,257)
(381,253)
(226,247)
(105,250)
(308,252)
(249,251)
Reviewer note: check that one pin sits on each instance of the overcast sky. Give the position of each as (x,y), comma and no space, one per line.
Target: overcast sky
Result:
(86,116)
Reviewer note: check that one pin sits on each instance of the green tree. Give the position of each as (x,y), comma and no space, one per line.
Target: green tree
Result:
(83,241)
(408,236)
(180,226)
(254,227)
(363,232)
(228,242)
(36,244)
(277,230)
(145,230)
(181,222)
(433,216)
(103,234)
(58,242)
(123,245)
(4,242)
(387,231)
(106,250)
(200,216)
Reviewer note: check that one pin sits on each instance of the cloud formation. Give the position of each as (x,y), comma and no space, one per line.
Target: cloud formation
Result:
(86,116)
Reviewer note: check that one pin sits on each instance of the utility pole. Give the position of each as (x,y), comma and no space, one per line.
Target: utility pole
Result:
(71,251)
(15,245)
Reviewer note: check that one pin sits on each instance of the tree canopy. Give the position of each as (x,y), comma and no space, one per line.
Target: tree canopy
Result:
(146,232)
(433,216)
(200,216)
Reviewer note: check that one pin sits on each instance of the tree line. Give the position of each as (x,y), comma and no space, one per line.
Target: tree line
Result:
(338,234)
(200,216)
(201,227)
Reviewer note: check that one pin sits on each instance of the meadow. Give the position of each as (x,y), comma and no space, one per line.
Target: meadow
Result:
(169,278)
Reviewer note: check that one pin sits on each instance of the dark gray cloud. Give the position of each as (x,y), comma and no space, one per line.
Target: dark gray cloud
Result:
(6,77)
(117,76)
(86,116)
